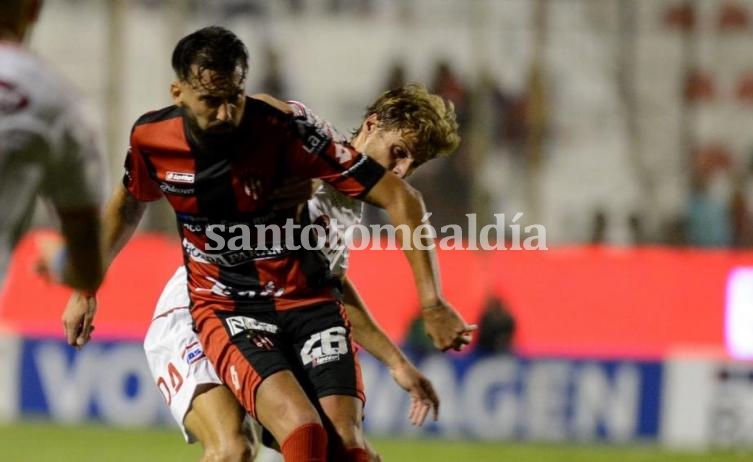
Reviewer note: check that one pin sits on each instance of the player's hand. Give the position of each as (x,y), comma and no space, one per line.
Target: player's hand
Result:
(446,328)
(78,317)
(423,398)
(292,193)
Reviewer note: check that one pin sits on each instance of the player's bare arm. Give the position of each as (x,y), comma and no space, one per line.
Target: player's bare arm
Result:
(405,206)
(84,269)
(372,338)
(122,215)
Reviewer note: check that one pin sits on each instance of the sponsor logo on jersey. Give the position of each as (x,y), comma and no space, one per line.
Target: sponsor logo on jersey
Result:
(224,290)
(256,219)
(180,177)
(314,138)
(177,190)
(232,257)
(193,227)
(241,324)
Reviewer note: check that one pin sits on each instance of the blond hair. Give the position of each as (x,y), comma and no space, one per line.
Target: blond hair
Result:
(426,120)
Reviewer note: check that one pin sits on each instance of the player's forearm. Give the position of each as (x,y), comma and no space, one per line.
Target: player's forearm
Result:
(84,269)
(405,207)
(367,333)
(423,261)
(121,218)
(373,339)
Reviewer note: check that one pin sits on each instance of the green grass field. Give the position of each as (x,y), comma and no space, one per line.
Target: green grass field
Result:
(33,442)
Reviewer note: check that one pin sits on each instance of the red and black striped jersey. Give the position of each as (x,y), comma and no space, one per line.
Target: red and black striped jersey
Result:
(220,193)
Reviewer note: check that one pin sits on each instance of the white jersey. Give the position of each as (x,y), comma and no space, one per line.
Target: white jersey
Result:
(45,146)
(172,348)
(328,207)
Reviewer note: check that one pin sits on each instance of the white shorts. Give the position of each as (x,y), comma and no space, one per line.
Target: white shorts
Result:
(175,355)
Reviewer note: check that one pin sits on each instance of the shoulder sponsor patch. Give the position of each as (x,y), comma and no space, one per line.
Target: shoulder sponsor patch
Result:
(315,140)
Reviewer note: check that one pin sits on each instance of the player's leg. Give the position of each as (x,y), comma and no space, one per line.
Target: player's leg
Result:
(345,414)
(258,374)
(373,454)
(193,390)
(267,449)
(285,410)
(203,408)
(217,421)
(329,370)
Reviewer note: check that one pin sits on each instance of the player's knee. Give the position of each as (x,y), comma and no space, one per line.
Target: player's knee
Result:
(291,419)
(299,418)
(231,450)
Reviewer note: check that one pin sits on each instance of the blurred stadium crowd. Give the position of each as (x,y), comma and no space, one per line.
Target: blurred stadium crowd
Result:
(607,121)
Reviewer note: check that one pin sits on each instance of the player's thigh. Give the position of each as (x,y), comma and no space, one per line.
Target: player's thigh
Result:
(177,363)
(322,351)
(217,421)
(247,350)
(242,347)
(328,366)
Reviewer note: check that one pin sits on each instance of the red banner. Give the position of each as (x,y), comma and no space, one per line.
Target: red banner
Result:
(580,301)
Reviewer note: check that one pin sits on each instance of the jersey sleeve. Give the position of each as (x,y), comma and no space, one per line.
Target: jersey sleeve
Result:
(136,177)
(76,177)
(312,153)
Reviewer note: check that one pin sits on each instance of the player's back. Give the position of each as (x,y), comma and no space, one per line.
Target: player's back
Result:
(45,147)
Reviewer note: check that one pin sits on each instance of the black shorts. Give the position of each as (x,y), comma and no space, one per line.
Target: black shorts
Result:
(322,350)
(314,343)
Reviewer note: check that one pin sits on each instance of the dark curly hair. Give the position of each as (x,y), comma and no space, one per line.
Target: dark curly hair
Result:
(213,48)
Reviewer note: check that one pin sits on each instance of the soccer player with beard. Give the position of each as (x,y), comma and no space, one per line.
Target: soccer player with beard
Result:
(413,127)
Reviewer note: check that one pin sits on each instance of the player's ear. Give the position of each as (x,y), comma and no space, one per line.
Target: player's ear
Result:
(370,124)
(176,92)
